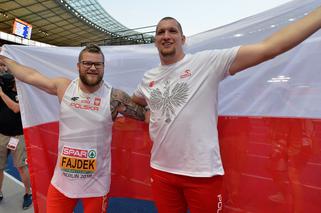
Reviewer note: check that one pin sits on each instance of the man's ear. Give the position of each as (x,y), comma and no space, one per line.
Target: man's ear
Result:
(183,39)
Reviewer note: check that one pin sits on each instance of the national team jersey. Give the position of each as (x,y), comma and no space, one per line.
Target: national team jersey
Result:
(183,101)
(84,157)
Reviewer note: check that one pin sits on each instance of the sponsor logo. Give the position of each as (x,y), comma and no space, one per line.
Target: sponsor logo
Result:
(92,154)
(74,98)
(186,74)
(219,203)
(79,153)
(151,84)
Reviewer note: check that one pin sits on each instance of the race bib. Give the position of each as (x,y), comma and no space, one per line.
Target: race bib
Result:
(78,163)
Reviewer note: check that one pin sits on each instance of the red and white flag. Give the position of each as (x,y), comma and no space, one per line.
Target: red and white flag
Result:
(277,100)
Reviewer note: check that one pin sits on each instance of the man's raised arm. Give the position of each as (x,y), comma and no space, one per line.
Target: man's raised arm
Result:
(277,43)
(31,76)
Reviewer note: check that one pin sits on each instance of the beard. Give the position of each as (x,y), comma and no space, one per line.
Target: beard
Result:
(90,82)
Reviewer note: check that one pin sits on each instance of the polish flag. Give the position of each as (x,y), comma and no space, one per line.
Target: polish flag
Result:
(269,117)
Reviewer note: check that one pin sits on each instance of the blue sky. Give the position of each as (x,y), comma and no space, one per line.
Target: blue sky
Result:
(195,15)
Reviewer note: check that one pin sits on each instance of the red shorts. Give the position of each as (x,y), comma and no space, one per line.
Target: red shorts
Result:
(177,193)
(57,202)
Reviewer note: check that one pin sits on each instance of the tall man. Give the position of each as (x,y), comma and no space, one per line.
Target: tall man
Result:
(11,134)
(182,96)
(88,108)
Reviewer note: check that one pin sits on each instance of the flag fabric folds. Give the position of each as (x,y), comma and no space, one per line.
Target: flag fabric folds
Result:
(278,100)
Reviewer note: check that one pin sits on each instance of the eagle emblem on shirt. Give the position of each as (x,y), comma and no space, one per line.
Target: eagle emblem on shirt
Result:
(168,101)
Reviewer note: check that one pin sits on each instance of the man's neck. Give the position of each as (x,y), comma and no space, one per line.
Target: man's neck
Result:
(168,60)
(88,89)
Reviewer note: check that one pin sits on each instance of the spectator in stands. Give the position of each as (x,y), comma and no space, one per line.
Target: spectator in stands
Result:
(11,134)
(88,108)
(182,95)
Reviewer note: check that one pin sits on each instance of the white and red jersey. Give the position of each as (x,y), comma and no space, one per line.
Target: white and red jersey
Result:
(183,102)
(85,133)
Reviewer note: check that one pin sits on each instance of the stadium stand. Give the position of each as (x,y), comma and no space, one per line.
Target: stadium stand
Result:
(65,23)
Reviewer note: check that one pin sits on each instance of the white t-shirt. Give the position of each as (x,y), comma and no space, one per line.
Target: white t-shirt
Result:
(183,102)
(85,132)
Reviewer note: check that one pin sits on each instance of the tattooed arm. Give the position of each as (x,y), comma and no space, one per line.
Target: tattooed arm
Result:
(121,102)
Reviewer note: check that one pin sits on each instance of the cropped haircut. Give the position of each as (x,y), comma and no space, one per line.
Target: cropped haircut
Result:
(171,18)
(91,48)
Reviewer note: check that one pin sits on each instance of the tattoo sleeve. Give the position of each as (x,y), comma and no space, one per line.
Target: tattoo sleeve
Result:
(121,102)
